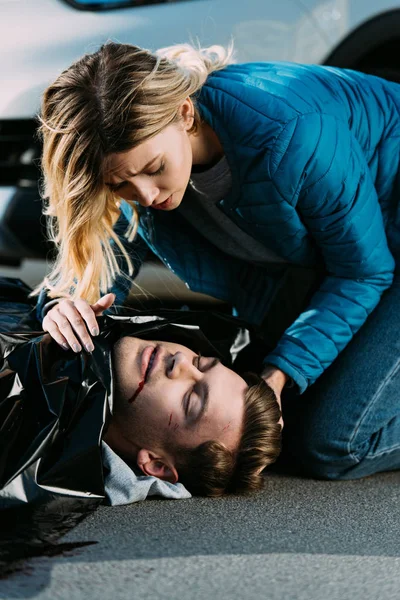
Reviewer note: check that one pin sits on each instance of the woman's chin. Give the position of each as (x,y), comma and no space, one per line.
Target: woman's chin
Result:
(177,201)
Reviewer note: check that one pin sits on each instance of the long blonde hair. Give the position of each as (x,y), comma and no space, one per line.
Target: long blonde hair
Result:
(107,102)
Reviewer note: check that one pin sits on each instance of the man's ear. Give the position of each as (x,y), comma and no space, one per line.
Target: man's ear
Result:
(152,463)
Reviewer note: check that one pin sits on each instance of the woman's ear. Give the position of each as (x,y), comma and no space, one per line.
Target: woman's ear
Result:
(187,114)
(154,464)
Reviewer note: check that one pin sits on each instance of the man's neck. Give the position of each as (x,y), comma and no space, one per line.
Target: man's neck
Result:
(124,447)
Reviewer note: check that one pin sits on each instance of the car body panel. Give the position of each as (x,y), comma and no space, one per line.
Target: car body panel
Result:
(337,19)
(40,39)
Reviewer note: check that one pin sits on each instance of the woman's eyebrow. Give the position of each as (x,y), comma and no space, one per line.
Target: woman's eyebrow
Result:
(132,174)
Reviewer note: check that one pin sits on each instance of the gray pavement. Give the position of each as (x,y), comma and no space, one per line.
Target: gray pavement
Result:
(299,539)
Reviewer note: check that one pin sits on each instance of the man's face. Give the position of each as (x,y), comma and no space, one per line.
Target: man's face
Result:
(185,400)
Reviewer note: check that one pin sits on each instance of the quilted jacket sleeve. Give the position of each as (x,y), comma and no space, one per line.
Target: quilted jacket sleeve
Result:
(137,251)
(319,168)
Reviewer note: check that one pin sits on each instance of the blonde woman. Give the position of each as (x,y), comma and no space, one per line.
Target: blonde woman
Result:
(237,176)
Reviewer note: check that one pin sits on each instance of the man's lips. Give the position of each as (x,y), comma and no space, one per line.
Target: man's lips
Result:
(144,363)
(146,356)
(163,205)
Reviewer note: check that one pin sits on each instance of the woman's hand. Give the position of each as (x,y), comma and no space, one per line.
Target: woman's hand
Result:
(69,322)
(276,379)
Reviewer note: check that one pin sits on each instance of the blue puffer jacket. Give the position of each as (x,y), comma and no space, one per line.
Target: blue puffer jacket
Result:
(314,156)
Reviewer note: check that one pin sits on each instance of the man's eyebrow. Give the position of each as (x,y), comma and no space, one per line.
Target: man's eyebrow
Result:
(213,363)
(206,391)
(132,174)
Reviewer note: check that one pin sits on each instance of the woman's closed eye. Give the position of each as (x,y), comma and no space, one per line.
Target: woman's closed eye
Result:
(115,188)
(119,186)
(159,170)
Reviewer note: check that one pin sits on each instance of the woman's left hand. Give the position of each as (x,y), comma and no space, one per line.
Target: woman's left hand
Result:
(276,379)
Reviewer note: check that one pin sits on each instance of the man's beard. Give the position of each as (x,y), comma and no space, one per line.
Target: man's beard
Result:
(120,395)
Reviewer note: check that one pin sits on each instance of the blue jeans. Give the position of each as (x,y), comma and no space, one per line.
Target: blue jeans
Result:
(347,425)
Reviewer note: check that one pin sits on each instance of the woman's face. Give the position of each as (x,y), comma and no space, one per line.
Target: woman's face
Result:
(156,173)
(185,400)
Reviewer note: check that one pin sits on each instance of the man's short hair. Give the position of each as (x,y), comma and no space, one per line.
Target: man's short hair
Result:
(211,469)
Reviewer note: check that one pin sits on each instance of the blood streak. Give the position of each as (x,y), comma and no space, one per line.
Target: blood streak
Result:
(170,419)
(136,394)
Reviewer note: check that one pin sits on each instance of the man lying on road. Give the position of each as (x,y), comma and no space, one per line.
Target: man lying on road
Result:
(173,408)
(185,417)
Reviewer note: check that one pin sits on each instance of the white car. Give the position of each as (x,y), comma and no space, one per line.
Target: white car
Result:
(39,38)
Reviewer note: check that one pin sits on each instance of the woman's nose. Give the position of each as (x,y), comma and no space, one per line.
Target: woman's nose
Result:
(146,196)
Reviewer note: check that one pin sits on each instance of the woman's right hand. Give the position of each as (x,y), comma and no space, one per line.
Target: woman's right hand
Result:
(69,322)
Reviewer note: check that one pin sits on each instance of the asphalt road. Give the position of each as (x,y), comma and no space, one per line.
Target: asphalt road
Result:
(299,539)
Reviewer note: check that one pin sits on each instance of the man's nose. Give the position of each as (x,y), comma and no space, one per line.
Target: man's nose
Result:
(147,195)
(181,366)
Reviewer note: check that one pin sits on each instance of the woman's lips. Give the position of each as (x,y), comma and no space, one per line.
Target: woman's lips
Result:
(163,205)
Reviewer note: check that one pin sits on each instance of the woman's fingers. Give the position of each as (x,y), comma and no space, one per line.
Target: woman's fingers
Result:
(52,327)
(69,323)
(88,315)
(72,324)
(66,326)
(60,329)
(102,304)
